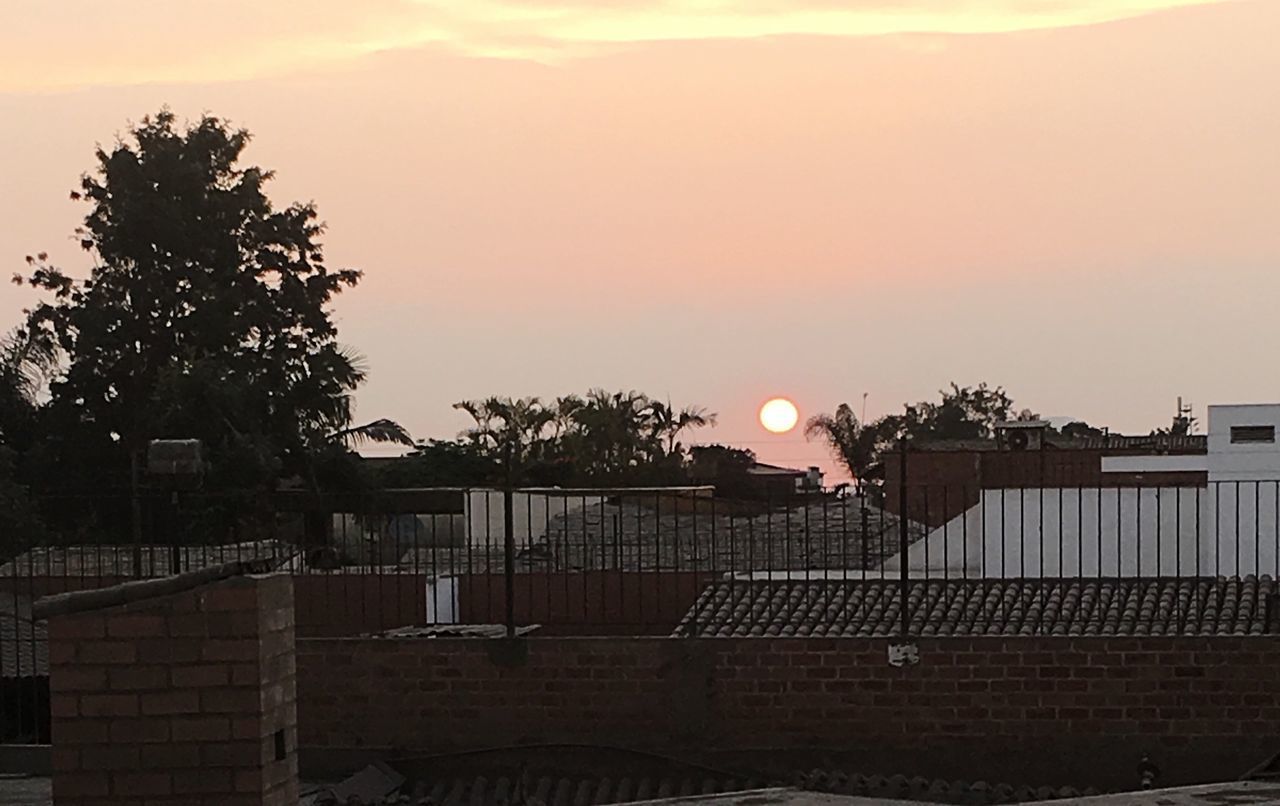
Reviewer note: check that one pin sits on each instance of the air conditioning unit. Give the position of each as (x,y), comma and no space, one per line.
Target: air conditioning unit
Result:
(1026,435)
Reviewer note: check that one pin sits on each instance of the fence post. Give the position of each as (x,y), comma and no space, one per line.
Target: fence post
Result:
(509,557)
(904,581)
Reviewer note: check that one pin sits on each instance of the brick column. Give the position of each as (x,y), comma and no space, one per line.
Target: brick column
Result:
(186,698)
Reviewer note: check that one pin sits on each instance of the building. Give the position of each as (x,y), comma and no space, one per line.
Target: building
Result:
(1167,508)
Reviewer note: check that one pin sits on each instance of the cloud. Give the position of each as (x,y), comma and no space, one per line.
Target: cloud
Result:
(85,43)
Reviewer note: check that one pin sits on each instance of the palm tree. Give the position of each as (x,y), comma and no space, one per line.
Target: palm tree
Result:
(853,443)
(667,423)
(28,358)
(510,429)
(377,431)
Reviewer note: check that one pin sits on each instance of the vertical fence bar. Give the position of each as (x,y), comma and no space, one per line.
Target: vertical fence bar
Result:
(904,582)
(509,557)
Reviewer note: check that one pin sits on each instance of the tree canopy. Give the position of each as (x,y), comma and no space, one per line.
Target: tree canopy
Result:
(206,313)
(962,412)
(622,437)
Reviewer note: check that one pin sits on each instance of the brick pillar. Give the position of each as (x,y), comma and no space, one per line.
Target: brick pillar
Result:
(187,698)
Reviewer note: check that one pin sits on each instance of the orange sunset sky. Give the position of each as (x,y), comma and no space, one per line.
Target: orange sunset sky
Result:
(722,200)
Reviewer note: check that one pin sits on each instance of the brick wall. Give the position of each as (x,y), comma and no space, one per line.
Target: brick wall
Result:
(181,699)
(1079,711)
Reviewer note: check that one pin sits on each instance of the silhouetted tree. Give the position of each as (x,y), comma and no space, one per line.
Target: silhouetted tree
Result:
(205,314)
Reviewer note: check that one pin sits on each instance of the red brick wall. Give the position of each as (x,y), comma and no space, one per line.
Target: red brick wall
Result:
(1079,711)
(177,699)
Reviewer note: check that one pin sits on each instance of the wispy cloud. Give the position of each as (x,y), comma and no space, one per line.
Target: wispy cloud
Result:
(82,43)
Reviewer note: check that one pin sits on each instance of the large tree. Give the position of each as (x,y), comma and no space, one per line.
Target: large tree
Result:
(205,314)
(962,412)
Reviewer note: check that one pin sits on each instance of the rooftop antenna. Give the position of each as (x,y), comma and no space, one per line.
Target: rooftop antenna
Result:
(1184,414)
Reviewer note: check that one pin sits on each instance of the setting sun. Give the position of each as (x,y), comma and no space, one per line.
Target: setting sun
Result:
(779,415)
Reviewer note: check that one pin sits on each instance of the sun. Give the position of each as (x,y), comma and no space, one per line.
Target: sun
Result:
(779,415)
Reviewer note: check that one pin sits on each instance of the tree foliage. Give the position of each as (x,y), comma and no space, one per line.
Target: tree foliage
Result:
(205,314)
(602,437)
(961,413)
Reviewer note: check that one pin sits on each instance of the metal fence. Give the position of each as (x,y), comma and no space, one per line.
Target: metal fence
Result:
(904,560)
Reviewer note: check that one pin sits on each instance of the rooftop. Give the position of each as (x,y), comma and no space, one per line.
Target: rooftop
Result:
(735,608)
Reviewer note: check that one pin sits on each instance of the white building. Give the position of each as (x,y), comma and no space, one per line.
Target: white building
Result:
(1228,527)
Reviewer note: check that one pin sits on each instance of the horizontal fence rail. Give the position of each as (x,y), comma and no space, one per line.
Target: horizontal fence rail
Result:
(899,561)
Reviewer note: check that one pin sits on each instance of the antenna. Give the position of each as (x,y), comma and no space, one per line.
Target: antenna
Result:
(864,407)
(1184,416)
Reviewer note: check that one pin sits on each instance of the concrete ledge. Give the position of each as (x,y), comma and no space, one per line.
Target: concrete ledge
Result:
(126,592)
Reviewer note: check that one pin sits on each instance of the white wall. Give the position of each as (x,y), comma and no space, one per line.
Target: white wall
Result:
(531,512)
(1227,528)
(1247,461)
(442,600)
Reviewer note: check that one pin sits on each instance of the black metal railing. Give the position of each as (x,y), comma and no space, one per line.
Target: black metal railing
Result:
(904,560)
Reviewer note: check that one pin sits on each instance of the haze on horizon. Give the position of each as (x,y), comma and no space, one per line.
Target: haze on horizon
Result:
(722,201)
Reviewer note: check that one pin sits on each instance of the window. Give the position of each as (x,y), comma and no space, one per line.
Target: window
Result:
(1253,433)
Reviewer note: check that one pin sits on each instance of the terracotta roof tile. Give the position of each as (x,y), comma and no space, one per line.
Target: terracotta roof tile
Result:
(1069,607)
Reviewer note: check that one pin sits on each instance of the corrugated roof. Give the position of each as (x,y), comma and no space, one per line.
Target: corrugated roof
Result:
(1154,443)
(1187,443)
(825,533)
(749,608)
(24,643)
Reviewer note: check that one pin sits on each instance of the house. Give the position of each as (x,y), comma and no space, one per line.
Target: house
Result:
(1178,506)
(944,478)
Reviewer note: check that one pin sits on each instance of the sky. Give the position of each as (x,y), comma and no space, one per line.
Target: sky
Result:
(719,201)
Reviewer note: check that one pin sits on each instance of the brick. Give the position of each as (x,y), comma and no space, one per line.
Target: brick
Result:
(229,650)
(230,701)
(108,652)
(144,783)
(109,757)
(189,625)
(64,759)
(109,705)
(203,782)
(234,625)
(164,703)
(80,785)
(139,731)
(136,626)
(170,650)
(61,653)
(200,729)
(202,676)
(77,627)
(249,781)
(80,731)
(170,756)
(78,679)
(64,707)
(230,754)
(230,598)
(248,728)
(246,674)
(139,678)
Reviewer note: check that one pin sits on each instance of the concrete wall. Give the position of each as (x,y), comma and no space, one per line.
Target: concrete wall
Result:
(1227,528)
